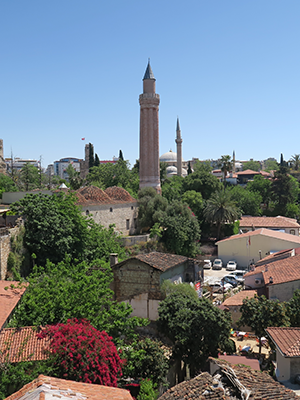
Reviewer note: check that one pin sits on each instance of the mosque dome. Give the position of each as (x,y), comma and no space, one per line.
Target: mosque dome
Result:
(170,156)
(171,171)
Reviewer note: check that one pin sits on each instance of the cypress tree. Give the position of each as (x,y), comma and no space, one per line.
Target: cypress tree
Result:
(91,156)
(121,155)
(97,161)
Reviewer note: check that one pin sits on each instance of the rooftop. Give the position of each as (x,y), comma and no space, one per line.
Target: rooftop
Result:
(54,388)
(268,222)
(266,232)
(287,340)
(248,172)
(237,299)
(22,344)
(90,195)
(10,294)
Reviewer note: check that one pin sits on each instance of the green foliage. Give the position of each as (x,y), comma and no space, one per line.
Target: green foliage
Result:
(195,326)
(147,390)
(249,202)
(162,171)
(253,165)
(18,262)
(181,233)
(285,190)
(121,155)
(185,289)
(202,181)
(91,156)
(7,184)
(145,359)
(55,227)
(60,292)
(156,230)
(259,313)
(195,201)
(295,162)
(150,205)
(172,188)
(28,177)
(221,209)
(262,186)
(293,309)
(231,229)
(271,165)
(225,164)
(189,170)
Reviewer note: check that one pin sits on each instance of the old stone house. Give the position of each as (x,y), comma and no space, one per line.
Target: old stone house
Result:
(286,341)
(113,205)
(138,279)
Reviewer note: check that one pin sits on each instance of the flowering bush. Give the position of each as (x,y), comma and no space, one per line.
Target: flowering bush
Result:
(82,353)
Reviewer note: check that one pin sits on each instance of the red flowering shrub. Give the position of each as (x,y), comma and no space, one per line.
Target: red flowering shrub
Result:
(82,353)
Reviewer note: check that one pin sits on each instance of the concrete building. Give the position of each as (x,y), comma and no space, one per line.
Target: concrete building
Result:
(61,166)
(138,279)
(250,247)
(18,163)
(149,133)
(279,223)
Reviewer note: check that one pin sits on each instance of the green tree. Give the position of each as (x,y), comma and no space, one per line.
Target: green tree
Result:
(293,309)
(147,390)
(181,231)
(262,186)
(162,171)
(271,165)
(195,201)
(121,155)
(97,161)
(202,181)
(189,170)
(259,313)
(249,202)
(91,156)
(172,188)
(221,209)
(150,204)
(195,326)
(253,165)
(7,184)
(295,162)
(145,359)
(74,177)
(285,190)
(28,177)
(67,290)
(225,164)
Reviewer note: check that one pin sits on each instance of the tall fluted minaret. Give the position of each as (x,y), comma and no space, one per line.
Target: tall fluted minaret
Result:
(149,133)
(178,141)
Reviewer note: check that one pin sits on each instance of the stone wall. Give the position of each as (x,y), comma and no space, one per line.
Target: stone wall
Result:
(283,291)
(5,248)
(123,215)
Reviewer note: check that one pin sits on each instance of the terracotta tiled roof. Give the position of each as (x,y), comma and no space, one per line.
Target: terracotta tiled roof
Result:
(266,232)
(264,173)
(9,298)
(119,194)
(237,299)
(247,172)
(287,340)
(48,387)
(201,387)
(161,261)
(22,344)
(281,271)
(91,195)
(268,222)
(260,384)
(238,360)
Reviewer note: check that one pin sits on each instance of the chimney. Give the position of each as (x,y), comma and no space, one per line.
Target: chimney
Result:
(113,259)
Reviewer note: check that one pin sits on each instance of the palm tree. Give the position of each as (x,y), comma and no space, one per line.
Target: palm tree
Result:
(220,208)
(225,164)
(295,161)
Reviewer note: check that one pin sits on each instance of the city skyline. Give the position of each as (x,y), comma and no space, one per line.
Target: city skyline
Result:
(73,70)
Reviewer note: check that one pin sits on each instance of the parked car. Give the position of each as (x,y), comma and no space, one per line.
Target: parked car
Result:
(207,264)
(217,264)
(231,266)
(239,276)
(217,287)
(230,279)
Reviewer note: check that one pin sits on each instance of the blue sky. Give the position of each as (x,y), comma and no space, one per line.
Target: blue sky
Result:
(71,69)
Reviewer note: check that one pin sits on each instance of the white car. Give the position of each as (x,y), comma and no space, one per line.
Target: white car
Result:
(217,287)
(207,264)
(231,266)
(239,276)
(217,264)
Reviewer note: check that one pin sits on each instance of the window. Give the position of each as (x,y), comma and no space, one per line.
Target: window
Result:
(110,209)
(292,231)
(135,223)
(87,212)
(132,207)
(127,223)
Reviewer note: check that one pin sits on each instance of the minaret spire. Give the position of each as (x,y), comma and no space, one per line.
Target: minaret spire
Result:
(149,133)
(178,141)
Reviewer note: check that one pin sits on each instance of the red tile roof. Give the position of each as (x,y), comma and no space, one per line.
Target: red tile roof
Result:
(287,340)
(284,270)
(22,344)
(248,172)
(10,294)
(266,232)
(264,173)
(48,387)
(268,222)
(237,299)
(91,195)
(238,360)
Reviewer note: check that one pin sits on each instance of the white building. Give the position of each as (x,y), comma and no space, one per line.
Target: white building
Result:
(61,166)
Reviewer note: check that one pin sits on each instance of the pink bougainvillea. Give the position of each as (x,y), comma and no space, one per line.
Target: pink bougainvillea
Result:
(82,353)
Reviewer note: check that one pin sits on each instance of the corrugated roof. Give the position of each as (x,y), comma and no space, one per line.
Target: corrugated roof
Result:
(10,294)
(266,232)
(268,222)
(48,387)
(22,344)
(287,340)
